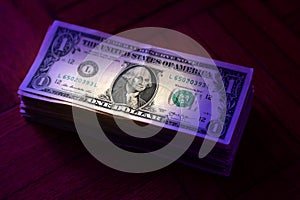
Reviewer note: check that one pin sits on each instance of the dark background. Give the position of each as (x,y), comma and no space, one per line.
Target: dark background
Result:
(38,162)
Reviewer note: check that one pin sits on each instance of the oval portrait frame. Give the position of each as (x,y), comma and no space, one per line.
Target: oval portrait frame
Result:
(153,89)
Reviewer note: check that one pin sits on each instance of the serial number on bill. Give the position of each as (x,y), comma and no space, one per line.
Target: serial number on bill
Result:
(75,80)
(188,80)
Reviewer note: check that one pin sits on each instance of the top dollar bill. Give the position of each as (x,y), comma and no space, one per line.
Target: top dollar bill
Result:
(91,69)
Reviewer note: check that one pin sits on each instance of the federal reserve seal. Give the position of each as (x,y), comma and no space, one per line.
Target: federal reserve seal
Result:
(87,68)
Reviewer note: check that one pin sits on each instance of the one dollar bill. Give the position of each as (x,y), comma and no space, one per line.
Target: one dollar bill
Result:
(94,70)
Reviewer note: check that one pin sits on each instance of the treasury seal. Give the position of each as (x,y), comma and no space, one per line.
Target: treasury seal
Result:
(183,98)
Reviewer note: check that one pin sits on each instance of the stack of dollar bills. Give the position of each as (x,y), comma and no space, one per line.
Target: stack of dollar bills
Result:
(143,98)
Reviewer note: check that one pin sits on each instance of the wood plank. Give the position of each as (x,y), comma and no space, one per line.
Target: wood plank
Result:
(153,189)
(87,10)
(161,13)
(113,185)
(121,17)
(268,152)
(175,14)
(276,30)
(9,116)
(293,22)
(29,153)
(36,14)
(284,185)
(197,184)
(281,69)
(54,6)
(65,179)
(186,29)
(281,148)
(21,47)
(283,7)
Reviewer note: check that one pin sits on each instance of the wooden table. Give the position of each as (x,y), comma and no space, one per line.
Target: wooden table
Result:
(39,162)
